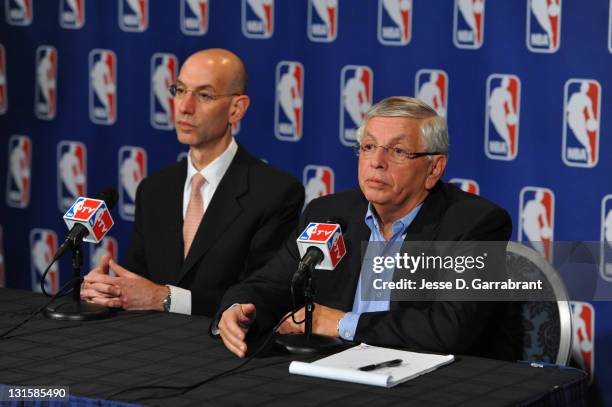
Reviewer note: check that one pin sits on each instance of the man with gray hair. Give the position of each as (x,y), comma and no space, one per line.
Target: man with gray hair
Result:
(403,151)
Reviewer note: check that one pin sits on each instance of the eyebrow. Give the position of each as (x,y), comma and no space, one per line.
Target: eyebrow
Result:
(200,87)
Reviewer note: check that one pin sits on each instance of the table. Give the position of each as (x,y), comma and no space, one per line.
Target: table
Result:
(98,358)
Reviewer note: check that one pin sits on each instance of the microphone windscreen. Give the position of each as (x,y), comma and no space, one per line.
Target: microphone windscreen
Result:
(110,196)
(338,220)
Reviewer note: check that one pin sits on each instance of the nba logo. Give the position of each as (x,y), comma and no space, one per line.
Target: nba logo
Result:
(3,88)
(431,87)
(194,17)
(318,181)
(288,107)
(133,15)
(258,18)
(468,24)
(45,96)
(71,173)
(102,86)
(107,246)
(132,170)
(72,14)
(606,238)
(394,22)
(182,156)
(356,84)
(43,245)
(19,12)
(18,177)
(467,185)
(2,266)
(581,112)
(322,20)
(583,343)
(502,117)
(164,69)
(543,25)
(536,219)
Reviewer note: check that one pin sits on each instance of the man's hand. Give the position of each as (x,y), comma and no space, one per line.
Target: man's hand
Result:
(234,325)
(98,292)
(324,321)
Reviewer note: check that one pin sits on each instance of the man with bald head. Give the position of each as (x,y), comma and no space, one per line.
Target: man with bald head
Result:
(207,222)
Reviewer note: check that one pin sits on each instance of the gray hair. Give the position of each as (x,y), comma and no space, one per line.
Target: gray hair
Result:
(433,128)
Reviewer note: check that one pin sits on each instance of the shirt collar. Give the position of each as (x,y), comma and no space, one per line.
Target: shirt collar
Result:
(399,226)
(214,172)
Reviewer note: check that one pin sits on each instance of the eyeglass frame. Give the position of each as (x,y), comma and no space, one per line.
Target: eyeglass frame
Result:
(172,89)
(406,154)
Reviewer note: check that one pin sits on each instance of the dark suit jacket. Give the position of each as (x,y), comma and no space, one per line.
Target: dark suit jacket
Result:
(253,210)
(448,214)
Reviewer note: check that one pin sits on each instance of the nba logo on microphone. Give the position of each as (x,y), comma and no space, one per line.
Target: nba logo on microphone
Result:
(394,22)
(102,86)
(72,14)
(43,245)
(289,103)
(2,261)
(71,173)
(318,181)
(322,20)
(194,17)
(537,219)
(18,177)
(356,84)
(164,69)
(543,25)
(19,12)
(581,112)
(3,88)
(45,96)
(132,170)
(258,18)
(431,87)
(108,246)
(468,23)
(467,185)
(502,117)
(133,15)
(583,343)
(606,238)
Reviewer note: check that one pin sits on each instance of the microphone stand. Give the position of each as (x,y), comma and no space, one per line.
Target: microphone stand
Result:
(76,310)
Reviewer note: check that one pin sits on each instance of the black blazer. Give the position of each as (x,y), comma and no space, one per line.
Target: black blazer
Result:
(448,214)
(253,210)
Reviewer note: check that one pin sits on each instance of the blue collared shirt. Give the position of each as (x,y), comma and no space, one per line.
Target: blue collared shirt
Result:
(348,324)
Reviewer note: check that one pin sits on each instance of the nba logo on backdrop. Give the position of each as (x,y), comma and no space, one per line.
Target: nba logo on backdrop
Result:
(133,15)
(394,22)
(132,170)
(72,14)
(164,69)
(581,112)
(102,86)
(536,219)
(431,87)
(258,18)
(583,343)
(468,23)
(194,17)
(543,25)
(467,185)
(322,20)
(356,84)
(43,245)
(606,238)
(45,97)
(502,117)
(289,103)
(108,245)
(71,173)
(18,177)
(3,88)
(318,181)
(19,12)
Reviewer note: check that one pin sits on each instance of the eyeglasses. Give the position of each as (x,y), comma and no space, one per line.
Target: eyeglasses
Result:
(203,96)
(396,154)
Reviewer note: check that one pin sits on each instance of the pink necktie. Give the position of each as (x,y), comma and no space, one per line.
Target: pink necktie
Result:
(195,211)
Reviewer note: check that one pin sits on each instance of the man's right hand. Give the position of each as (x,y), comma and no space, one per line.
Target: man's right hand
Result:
(234,325)
(97,291)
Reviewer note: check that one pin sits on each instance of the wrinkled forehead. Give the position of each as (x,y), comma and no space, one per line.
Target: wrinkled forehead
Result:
(393,130)
(204,72)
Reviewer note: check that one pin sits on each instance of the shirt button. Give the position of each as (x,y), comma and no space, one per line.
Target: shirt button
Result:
(347,334)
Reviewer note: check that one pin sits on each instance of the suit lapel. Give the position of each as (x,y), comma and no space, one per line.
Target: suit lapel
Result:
(172,225)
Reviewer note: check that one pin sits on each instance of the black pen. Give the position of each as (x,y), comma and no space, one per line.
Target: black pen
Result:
(388,363)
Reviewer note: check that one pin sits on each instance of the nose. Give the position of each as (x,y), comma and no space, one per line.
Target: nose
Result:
(378,158)
(186,105)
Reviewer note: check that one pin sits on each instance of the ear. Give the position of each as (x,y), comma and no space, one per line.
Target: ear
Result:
(238,109)
(436,169)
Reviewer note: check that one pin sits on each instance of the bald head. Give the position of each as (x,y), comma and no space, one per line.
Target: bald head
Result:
(227,65)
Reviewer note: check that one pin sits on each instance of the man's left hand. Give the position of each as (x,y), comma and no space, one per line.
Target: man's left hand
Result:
(324,321)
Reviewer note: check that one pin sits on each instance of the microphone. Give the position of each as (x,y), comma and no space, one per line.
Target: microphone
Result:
(88,220)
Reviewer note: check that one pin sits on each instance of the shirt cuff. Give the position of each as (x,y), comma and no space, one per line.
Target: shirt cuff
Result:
(348,325)
(180,300)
